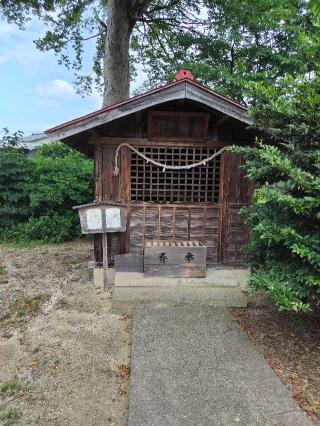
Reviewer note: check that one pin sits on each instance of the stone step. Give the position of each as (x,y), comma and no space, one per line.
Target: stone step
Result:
(126,299)
(214,278)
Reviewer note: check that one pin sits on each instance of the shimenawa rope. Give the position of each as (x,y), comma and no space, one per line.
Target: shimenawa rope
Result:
(164,166)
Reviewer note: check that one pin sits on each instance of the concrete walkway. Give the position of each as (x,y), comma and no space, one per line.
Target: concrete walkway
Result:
(192,366)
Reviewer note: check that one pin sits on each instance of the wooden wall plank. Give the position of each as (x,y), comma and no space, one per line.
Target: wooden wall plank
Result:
(154,222)
(136,236)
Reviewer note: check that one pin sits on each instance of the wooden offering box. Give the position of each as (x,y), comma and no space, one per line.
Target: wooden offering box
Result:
(185,259)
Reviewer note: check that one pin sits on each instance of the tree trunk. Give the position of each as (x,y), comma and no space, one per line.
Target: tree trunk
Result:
(116,54)
(116,76)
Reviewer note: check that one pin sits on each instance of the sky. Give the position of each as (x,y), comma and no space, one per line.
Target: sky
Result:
(36,93)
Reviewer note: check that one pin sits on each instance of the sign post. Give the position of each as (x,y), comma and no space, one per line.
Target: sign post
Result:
(105,260)
(101,218)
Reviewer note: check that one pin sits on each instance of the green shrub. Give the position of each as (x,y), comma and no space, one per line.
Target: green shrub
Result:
(284,218)
(15,177)
(50,229)
(37,195)
(61,181)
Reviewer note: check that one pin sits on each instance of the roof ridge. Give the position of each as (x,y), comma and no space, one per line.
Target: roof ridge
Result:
(149,92)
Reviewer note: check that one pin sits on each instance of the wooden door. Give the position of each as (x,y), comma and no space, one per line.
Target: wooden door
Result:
(236,192)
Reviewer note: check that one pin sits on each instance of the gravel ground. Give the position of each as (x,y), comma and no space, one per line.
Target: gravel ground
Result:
(63,356)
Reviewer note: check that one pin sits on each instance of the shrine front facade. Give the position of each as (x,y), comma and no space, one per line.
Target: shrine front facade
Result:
(164,155)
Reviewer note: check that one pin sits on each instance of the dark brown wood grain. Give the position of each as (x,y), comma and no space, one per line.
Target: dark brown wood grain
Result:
(177,126)
(235,192)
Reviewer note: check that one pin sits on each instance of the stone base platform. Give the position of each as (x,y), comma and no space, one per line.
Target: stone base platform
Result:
(214,278)
(222,287)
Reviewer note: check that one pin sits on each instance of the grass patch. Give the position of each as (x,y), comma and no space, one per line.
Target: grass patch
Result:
(7,314)
(6,334)
(30,305)
(3,275)
(14,389)
(25,244)
(11,387)
(22,308)
(8,416)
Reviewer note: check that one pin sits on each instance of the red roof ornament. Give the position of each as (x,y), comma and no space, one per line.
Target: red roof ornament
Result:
(184,73)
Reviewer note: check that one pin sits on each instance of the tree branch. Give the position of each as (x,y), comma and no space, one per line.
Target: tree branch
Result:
(171,22)
(160,8)
(137,7)
(103,24)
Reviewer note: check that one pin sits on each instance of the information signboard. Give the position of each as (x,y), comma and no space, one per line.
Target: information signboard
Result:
(101,218)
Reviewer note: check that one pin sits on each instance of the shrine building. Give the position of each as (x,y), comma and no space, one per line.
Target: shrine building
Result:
(163,154)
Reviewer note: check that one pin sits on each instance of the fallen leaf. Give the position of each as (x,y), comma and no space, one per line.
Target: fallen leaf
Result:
(122,392)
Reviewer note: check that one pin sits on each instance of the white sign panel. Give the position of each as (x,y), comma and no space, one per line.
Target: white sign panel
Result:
(94,219)
(113,218)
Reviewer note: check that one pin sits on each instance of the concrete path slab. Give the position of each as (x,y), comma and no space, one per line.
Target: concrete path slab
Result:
(192,366)
(126,299)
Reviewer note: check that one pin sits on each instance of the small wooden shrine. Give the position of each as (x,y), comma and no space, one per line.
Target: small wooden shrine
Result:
(163,155)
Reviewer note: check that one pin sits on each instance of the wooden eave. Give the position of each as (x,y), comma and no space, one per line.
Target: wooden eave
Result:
(182,89)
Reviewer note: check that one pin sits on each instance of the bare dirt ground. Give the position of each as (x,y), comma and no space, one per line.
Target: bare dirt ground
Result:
(290,344)
(63,356)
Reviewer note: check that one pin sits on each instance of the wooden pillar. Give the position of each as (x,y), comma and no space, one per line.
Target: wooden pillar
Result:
(125,194)
(108,187)
(98,187)
(222,237)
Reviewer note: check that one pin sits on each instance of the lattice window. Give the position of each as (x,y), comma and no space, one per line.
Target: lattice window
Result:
(197,185)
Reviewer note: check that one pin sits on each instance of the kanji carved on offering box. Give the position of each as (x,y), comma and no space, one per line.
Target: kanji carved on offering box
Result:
(175,259)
